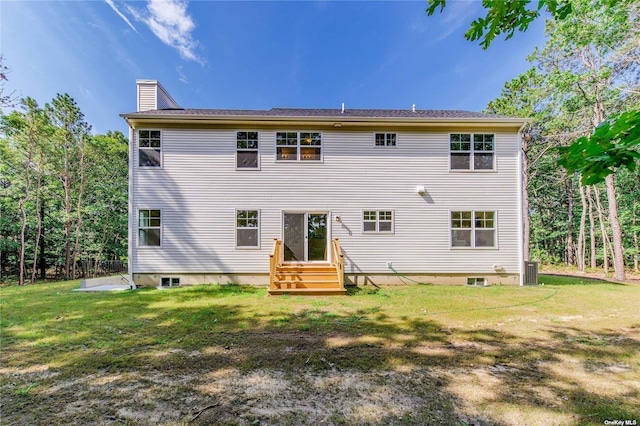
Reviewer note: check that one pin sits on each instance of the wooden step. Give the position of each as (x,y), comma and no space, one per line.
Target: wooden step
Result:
(300,269)
(306,277)
(308,291)
(307,284)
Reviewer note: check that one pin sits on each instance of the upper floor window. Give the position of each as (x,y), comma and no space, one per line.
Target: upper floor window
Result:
(473,229)
(377,221)
(386,139)
(247,150)
(476,155)
(149,148)
(299,146)
(149,227)
(248,228)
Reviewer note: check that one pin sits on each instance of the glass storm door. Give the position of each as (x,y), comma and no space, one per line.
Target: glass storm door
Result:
(305,237)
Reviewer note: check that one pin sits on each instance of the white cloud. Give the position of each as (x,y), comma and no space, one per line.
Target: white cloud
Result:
(170,22)
(181,75)
(456,14)
(120,14)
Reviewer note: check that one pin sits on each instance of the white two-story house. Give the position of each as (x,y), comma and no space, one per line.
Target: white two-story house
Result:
(311,199)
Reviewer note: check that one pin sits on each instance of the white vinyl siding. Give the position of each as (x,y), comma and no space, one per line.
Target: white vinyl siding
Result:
(199,189)
(146,96)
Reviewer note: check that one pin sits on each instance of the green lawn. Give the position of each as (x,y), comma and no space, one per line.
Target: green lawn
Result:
(567,352)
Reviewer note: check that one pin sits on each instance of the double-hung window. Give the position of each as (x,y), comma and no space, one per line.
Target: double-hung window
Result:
(386,139)
(472,151)
(247,150)
(473,229)
(377,221)
(149,227)
(149,148)
(247,228)
(299,146)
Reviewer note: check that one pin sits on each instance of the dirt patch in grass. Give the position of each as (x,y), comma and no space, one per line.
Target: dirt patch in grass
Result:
(296,380)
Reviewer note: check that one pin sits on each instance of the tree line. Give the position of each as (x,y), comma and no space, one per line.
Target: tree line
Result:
(63,191)
(583,95)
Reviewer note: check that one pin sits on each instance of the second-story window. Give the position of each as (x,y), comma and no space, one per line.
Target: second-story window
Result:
(247,150)
(386,139)
(472,151)
(299,146)
(149,148)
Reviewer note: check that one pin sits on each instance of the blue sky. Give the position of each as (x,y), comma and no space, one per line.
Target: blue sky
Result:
(255,54)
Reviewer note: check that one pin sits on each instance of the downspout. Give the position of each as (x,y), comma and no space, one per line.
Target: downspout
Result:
(131,223)
(520,212)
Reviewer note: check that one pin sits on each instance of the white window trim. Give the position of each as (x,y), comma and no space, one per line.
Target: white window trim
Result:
(471,152)
(377,231)
(148,247)
(235,133)
(473,229)
(299,146)
(138,148)
(385,146)
(235,230)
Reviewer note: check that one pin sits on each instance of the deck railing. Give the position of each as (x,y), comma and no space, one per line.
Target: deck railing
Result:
(338,260)
(274,260)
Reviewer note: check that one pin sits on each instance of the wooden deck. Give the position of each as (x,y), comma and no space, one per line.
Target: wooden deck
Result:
(317,279)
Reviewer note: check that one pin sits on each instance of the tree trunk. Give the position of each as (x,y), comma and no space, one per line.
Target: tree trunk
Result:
(23,212)
(636,252)
(618,253)
(569,191)
(79,210)
(43,258)
(39,227)
(581,232)
(603,231)
(592,230)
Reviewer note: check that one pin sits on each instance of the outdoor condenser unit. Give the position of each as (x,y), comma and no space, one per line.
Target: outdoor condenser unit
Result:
(530,273)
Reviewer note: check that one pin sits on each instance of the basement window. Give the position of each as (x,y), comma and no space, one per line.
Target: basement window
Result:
(477,281)
(169,282)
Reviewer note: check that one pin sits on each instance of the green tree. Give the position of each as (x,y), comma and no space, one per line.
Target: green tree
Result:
(28,131)
(68,163)
(506,17)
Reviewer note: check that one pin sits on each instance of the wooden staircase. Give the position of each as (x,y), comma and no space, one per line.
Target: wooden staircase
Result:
(313,279)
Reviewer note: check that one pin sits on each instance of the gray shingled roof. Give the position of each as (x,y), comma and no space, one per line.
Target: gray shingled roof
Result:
(319,112)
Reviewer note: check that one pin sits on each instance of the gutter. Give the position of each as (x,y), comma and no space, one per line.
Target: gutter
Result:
(328,121)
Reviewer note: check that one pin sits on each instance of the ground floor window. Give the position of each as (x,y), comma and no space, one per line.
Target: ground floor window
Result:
(377,221)
(149,227)
(473,229)
(247,228)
